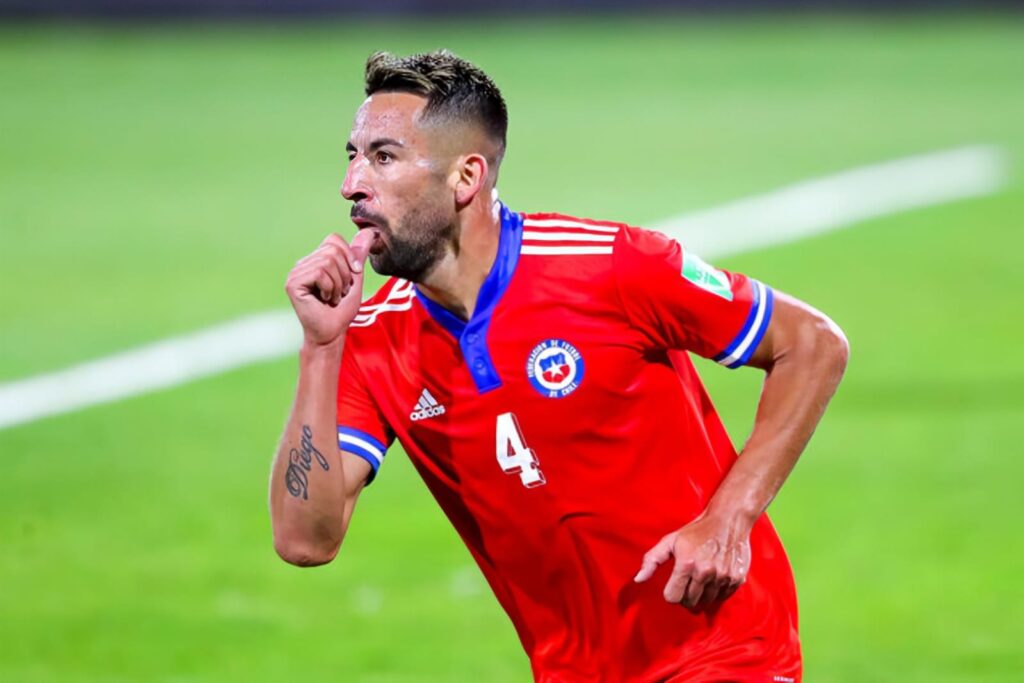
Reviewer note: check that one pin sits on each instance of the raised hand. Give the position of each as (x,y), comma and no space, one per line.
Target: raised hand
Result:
(326,287)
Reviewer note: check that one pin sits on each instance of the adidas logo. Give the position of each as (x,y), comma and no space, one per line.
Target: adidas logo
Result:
(426,407)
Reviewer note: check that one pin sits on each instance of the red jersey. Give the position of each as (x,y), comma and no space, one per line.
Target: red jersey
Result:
(564,431)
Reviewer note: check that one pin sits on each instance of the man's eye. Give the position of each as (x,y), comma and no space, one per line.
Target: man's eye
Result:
(383,157)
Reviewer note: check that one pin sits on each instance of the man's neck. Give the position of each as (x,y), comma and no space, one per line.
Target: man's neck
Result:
(456,280)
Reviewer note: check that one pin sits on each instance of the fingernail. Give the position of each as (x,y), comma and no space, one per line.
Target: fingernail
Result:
(357,265)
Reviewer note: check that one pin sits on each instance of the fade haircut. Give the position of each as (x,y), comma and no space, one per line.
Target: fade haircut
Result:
(455,90)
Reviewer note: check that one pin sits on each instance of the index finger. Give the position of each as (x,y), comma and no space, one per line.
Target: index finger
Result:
(352,260)
(679,581)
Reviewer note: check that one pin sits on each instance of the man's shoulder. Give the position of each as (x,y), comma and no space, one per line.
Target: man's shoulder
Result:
(550,234)
(594,246)
(394,296)
(550,219)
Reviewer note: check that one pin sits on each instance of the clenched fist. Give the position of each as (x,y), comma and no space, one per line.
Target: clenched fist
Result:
(326,287)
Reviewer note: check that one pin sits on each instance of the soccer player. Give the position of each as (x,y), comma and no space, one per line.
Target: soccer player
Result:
(534,367)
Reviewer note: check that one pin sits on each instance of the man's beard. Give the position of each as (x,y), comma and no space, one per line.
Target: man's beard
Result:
(421,246)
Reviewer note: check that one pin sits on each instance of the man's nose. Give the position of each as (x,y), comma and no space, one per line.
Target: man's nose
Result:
(355,187)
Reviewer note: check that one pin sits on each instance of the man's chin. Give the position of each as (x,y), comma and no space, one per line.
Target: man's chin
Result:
(378,262)
(411,263)
(383,265)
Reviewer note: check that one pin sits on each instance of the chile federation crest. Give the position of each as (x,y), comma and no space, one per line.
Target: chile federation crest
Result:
(555,368)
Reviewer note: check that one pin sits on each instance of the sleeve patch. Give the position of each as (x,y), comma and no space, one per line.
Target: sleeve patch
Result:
(708,278)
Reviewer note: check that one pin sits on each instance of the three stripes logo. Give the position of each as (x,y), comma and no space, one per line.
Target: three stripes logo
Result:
(426,407)
(563,236)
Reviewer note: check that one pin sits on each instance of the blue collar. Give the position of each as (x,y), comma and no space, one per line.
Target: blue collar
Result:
(472,335)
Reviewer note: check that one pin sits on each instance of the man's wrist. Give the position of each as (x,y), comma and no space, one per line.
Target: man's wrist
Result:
(317,351)
(738,514)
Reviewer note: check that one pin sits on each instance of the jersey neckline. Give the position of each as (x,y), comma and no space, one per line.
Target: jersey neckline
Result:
(472,335)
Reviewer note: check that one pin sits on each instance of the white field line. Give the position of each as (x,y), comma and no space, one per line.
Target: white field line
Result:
(787,214)
(839,200)
(166,363)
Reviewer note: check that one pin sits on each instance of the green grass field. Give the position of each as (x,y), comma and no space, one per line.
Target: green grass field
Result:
(154,181)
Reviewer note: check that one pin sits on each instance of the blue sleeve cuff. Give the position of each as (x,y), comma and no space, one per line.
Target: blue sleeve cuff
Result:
(365,446)
(738,352)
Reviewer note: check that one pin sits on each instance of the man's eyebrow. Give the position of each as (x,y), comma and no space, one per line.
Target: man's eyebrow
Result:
(375,145)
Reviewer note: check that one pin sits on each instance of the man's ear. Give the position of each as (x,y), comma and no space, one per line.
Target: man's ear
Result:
(470,178)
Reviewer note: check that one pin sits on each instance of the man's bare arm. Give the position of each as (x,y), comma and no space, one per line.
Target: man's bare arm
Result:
(804,355)
(313,486)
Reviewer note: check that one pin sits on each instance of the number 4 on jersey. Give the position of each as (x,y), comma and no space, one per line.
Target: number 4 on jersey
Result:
(513,454)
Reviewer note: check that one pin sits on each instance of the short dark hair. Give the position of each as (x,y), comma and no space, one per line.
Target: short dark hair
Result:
(454,88)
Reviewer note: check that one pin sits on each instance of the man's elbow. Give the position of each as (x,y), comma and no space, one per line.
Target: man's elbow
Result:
(303,552)
(831,347)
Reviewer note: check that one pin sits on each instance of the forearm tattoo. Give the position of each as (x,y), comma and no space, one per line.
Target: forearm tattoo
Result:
(300,462)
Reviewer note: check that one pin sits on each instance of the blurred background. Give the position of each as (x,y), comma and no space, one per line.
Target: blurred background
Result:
(164,163)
